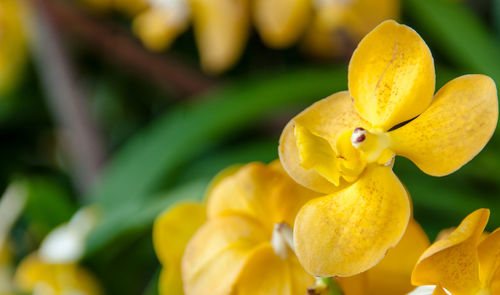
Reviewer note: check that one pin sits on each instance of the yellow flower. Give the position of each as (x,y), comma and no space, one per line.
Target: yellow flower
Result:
(37,276)
(338,25)
(246,240)
(344,146)
(13,50)
(220,26)
(244,247)
(466,262)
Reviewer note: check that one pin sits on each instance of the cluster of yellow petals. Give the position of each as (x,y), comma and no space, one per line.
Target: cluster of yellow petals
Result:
(36,276)
(329,28)
(227,244)
(465,261)
(343,146)
(13,49)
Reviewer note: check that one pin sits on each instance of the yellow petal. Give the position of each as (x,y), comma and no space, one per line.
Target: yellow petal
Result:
(157,29)
(453,262)
(328,118)
(170,281)
(457,125)
(495,283)
(221,30)
(171,232)
(489,258)
(316,153)
(349,231)
(264,193)
(266,273)
(392,276)
(281,22)
(216,254)
(391,75)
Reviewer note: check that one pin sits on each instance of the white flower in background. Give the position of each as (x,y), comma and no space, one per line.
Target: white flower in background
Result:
(66,243)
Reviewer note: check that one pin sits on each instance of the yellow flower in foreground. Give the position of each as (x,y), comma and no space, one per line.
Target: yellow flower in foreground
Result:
(37,276)
(244,247)
(466,262)
(13,50)
(344,146)
(246,240)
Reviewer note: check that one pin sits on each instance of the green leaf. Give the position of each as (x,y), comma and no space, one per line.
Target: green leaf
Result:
(496,16)
(136,216)
(48,204)
(139,214)
(185,132)
(459,34)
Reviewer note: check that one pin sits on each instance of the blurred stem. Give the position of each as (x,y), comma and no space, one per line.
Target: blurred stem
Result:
(108,40)
(65,98)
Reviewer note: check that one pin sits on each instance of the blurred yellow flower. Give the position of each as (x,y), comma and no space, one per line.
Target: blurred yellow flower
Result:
(34,275)
(338,25)
(331,27)
(13,50)
(344,146)
(465,262)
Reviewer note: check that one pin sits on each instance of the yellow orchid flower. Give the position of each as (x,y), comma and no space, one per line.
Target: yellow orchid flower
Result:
(466,262)
(246,236)
(344,146)
(260,194)
(338,25)
(13,50)
(37,276)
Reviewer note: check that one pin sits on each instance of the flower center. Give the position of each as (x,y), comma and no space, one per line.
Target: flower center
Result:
(373,146)
(282,239)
